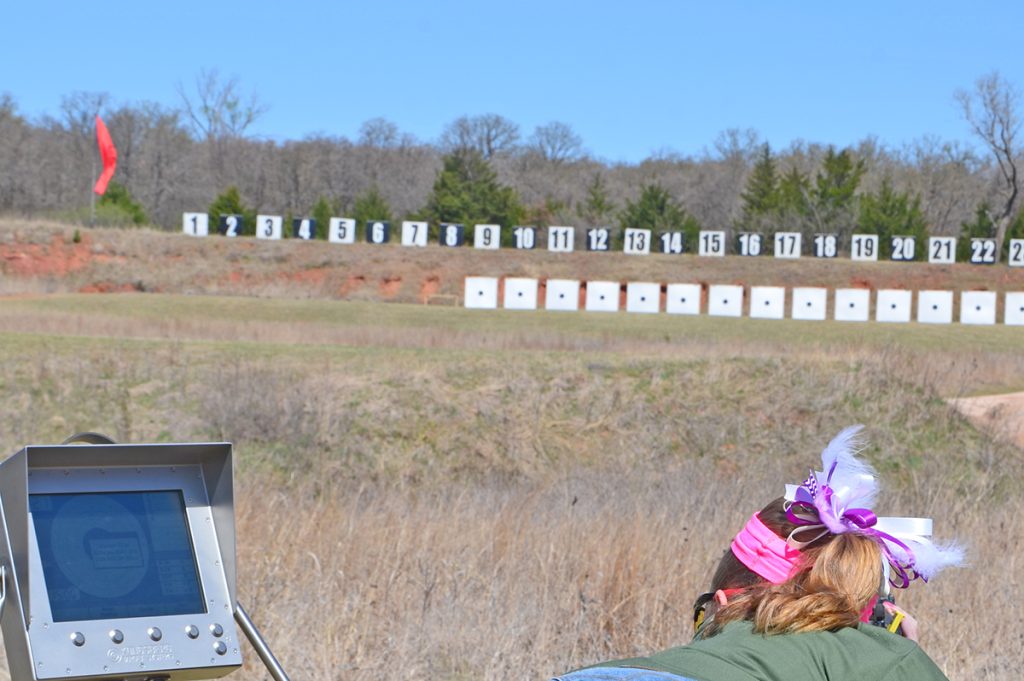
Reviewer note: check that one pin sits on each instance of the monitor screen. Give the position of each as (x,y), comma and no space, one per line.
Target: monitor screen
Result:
(109,555)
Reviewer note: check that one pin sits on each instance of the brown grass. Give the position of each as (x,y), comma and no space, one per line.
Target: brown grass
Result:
(460,496)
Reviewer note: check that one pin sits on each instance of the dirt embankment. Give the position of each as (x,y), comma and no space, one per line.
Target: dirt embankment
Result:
(1002,415)
(43,257)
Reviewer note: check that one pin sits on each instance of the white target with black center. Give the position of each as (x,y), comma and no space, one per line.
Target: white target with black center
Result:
(269,226)
(935,307)
(978,307)
(487,237)
(195,224)
(852,305)
(562,294)
(1013,313)
(520,293)
(810,303)
(725,300)
(893,305)
(602,296)
(341,231)
(481,293)
(682,299)
(414,233)
(643,297)
(767,302)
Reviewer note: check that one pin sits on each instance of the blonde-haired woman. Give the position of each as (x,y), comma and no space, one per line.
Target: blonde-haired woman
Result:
(792,597)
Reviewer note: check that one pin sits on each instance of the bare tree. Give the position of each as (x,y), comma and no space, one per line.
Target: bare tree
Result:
(489,134)
(991,110)
(218,109)
(556,142)
(379,133)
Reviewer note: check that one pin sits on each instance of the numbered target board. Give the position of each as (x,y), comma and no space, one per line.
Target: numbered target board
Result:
(268,226)
(487,237)
(711,243)
(788,244)
(525,237)
(672,243)
(1016,254)
(864,247)
(560,239)
(452,235)
(902,248)
(983,251)
(598,239)
(414,233)
(230,225)
(826,246)
(195,224)
(942,249)
(378,232)
(303,228)
(342,231)
(750,244)
(636,241)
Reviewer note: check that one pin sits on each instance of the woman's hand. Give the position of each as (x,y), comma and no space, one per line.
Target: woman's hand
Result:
(908,623)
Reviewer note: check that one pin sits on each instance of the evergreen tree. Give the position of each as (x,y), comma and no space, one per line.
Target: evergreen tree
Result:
(370,206)
(657,211)
(889,213)
(229,202)
(981,227)
(117,207)
(597,210)
(833,208)
(467,191)
(323,211)
(761,195)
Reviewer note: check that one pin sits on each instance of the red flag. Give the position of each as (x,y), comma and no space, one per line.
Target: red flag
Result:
(108,153)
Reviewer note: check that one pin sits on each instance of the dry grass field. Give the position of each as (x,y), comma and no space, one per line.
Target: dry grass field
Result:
(435,493)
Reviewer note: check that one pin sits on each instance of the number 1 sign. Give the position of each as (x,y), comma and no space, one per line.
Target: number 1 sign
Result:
(195,224)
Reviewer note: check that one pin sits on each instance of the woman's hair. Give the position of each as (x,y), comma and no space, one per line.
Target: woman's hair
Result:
(836,580)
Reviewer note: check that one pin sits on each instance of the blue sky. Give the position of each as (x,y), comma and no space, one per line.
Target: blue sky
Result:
(631,77)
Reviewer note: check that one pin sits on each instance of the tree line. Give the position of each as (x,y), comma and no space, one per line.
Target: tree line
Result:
(201,155)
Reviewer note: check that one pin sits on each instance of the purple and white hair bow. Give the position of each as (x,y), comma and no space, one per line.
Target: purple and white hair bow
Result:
(840,501)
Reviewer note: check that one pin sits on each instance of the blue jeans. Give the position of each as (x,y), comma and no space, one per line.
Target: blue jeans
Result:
(620,674)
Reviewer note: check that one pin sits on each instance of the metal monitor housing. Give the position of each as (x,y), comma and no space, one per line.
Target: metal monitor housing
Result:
(171,647)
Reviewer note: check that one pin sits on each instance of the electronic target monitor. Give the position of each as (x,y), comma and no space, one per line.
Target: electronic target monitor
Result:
(119,562)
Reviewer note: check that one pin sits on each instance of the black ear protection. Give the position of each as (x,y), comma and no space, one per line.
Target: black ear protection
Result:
(700,610)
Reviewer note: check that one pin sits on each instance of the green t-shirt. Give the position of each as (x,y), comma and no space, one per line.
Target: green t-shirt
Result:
(867,653)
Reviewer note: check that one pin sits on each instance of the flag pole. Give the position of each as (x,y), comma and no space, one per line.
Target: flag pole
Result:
(92,196)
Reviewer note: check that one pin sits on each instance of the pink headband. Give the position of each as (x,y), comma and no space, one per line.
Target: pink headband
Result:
(764,552)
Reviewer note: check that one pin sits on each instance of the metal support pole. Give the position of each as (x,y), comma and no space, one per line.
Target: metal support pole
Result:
(258,644)
(92,197)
